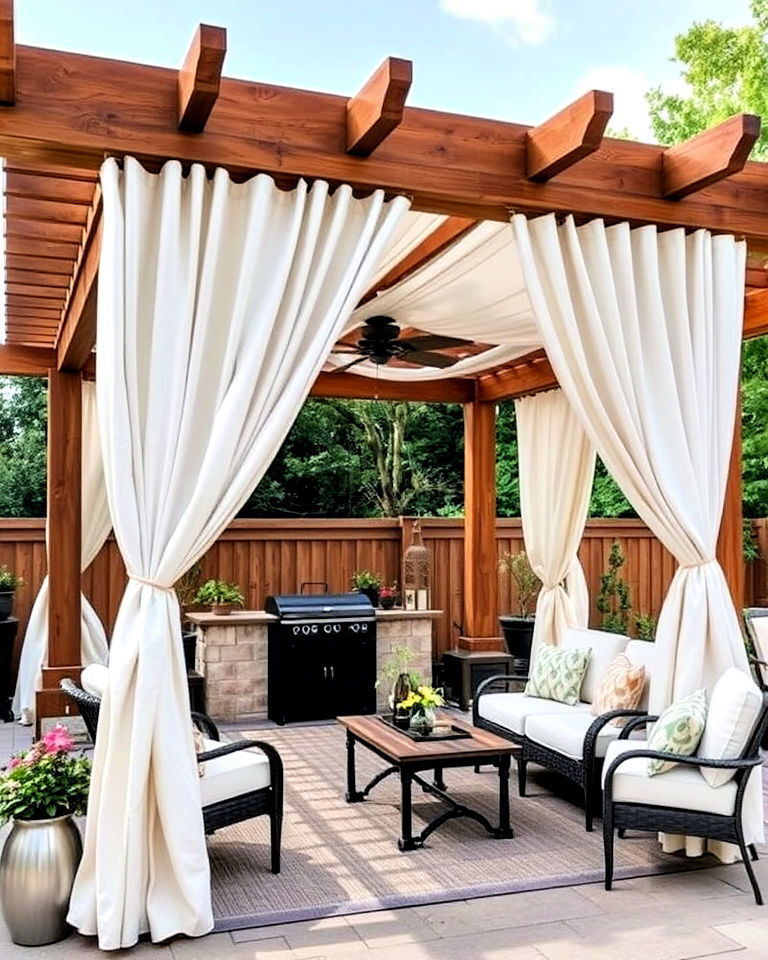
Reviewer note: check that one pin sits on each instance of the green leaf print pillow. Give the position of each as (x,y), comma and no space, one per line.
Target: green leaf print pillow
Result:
(678,730)
(558,674)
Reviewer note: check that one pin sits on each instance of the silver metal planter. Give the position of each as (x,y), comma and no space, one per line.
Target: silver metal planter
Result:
(37,870)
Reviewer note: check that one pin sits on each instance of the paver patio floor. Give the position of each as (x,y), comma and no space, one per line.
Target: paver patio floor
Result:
(705,913)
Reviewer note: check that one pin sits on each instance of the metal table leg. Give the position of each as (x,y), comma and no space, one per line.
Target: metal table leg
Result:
(406,841)
(505,830)
(353,794)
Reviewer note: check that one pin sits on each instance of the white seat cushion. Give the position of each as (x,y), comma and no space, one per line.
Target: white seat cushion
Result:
(682,787)
(734,707)
(565,734)
(604,647)
(232,775)
(94,678)
(642,653)
(510,710)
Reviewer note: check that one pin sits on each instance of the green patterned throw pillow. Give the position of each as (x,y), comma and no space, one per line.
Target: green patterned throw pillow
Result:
(678,730)
(558,674)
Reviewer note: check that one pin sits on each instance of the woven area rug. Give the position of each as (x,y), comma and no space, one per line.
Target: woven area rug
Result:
(341,858)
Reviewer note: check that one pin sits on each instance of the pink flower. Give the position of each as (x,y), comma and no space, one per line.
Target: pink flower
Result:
(14,762)
(58,740)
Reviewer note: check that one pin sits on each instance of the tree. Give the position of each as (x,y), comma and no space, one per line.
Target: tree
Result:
(23,419)
(726,69)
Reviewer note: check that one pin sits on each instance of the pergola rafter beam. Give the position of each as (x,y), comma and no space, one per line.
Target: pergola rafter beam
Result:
(71,110)
(77,331)
(200,77)
(568,136)
(530,374)
(352,387)
(374,112)
(710,156)
(7,54)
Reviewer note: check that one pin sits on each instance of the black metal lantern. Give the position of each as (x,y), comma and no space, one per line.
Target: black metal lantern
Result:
(416,573)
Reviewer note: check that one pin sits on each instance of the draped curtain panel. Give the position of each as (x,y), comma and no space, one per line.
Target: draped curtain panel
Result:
(557,465)
(643,330)
(95,527)
(218,304)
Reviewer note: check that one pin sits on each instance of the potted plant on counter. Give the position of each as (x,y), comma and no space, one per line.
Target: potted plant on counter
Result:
(388,597)
(41,790)
(368,583)
(518,629)
(8,584)
(220,595)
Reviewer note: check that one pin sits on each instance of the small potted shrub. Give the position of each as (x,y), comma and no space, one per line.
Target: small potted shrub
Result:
(220,596)
(8,584)
(613,601)
(41,790)
(368,583)
(518,628)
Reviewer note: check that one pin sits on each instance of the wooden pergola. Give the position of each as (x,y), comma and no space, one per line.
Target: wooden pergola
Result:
(63,113)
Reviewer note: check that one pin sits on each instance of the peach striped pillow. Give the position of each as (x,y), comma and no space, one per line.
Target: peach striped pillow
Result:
(621,687)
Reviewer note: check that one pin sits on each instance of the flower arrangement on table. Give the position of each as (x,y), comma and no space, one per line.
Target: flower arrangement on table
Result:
(388,596)
(420,705)
(45,781)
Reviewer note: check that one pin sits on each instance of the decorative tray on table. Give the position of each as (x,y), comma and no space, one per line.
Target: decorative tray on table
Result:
(451,732)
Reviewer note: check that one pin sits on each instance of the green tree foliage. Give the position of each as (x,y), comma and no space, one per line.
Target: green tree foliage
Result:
(614,601)
(726,69)
(23,417)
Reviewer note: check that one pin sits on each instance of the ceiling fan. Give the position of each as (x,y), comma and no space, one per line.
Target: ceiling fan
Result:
(379,343)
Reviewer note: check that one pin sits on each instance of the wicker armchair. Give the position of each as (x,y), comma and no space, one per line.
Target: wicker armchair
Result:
(755,634)
(713,815)
(222,783)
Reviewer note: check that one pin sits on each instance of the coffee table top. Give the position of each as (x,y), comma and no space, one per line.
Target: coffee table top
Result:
(399,747)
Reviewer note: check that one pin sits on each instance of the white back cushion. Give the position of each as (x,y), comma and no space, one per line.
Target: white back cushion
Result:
(642,653)
(93,679)
(734,707)
(604,648)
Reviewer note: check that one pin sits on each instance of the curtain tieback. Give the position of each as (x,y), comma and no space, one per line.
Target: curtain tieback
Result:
(700,563)
(151,583)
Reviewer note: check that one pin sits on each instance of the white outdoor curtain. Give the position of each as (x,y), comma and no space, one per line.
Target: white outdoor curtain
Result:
(557,464)
(218,303)
(95,527)
(643,330)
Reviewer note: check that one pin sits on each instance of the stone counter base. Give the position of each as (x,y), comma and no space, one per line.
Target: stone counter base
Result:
(232,656)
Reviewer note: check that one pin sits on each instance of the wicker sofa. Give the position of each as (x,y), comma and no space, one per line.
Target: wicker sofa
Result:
(568,739)
(240,780)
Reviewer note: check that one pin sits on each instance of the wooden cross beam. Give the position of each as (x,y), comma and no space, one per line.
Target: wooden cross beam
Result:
(350,386)
(568,136)
(530,374)
(7,54)
(76,336)
(377,109)
(200,77)
(713,155)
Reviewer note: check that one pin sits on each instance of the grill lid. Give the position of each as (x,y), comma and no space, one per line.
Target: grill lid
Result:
(323,606)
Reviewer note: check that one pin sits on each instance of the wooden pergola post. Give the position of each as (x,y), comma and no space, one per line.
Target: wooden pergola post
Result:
(64,533)
(730,542)
(481,631)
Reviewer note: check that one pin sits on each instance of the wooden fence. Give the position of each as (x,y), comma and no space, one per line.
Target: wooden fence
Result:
(277,556)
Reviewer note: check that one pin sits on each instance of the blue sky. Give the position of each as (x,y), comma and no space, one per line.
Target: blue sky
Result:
(510,59)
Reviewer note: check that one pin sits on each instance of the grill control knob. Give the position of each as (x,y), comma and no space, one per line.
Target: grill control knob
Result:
(314,628)
(296,630)
(337,628)
(326,628)
(364,627)
(354,627)
(305,629)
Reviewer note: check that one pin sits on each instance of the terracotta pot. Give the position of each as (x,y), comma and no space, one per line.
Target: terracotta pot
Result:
(222,609)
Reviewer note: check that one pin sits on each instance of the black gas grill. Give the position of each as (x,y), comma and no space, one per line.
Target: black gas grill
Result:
(322,656)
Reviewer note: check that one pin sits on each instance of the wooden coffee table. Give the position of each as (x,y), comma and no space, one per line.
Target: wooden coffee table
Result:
(409,758)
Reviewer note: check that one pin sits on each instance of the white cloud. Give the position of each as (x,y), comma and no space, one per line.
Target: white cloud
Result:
(519,21)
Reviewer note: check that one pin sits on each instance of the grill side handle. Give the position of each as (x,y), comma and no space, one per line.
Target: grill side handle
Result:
(314,583)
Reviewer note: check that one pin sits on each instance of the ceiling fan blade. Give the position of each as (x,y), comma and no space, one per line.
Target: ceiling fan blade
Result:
(431,342)
(427,359)
(345,348)
(348,365)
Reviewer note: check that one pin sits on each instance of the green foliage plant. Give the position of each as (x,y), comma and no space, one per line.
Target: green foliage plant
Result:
(365,580)
(398,662)
(519,568)
(46,781)
(8,580)
(613,600)
(219,592)
(645,626)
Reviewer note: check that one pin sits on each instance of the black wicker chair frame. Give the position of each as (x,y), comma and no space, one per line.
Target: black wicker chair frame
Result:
(623,816)
(223,813)
(586,771)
